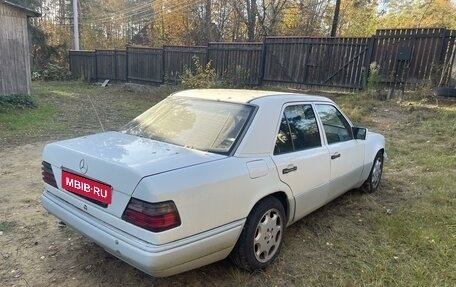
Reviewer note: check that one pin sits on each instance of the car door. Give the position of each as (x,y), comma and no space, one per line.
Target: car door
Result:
(346,153)
(301,160)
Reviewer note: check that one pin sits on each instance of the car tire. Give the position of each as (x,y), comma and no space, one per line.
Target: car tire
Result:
(373,181)
(262,235)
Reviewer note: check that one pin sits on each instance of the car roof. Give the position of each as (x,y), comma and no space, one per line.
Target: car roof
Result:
(247,96)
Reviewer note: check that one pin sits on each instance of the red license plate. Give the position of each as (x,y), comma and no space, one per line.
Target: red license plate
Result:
(86,187)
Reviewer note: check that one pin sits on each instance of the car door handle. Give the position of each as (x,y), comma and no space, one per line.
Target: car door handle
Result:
(335,155)
(289,169)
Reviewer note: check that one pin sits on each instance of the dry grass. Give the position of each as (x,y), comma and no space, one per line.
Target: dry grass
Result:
(65,110)
(404,235)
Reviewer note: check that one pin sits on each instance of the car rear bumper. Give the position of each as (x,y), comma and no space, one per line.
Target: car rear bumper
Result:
(156,260)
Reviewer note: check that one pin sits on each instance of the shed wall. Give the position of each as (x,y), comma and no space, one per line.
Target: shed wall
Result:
(15,74)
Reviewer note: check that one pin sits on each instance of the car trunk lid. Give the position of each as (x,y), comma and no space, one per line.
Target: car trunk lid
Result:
(116,160)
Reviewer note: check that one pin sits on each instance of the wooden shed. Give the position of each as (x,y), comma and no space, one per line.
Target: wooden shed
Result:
(15,72)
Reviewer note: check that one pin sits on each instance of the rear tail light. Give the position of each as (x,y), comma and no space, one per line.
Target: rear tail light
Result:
(48,174)
(155,217)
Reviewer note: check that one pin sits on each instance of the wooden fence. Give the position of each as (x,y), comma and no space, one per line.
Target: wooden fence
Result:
(414,55)
(239,62)
(404,56)
(336,62)
(178,58)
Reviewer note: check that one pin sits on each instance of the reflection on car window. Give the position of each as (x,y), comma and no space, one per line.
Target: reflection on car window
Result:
(200,124)
(337,129)
(283,142)
(298,130)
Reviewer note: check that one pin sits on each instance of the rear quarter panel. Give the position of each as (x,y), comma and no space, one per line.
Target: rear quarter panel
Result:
(211,194)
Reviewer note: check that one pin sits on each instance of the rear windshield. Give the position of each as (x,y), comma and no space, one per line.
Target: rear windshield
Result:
(206,125)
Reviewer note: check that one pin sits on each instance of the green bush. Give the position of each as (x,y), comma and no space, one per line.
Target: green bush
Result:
(374,77)
(16,102)
(235,78)
(55,72)
(200,77)
(374,87)
(206,77)
(49,61)
(52,72)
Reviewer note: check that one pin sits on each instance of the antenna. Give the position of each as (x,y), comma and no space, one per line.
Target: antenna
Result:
(96,113)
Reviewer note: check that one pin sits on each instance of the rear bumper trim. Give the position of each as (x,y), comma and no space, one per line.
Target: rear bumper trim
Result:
(156,260)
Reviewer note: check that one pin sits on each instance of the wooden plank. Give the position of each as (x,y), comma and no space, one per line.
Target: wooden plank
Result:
(179,58)
(15,70)
(236,62)
(121,65)
(351,69)
(422,45)
(411,42)
(449,60)
(348,62)
(354,75)
(83,64)
(145,64)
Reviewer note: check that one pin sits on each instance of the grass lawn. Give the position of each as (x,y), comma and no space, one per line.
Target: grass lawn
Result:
(403,235)
(65,110)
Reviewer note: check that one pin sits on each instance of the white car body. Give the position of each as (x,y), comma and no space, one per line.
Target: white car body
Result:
(213,193)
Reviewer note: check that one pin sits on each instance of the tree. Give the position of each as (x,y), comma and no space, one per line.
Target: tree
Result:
(270,14)
(357,18)
(223,19)
(111,23)
(419,14)
(306,17)
(114,23)
(246,13)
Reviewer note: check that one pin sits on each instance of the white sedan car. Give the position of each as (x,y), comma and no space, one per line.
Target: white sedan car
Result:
(207,174)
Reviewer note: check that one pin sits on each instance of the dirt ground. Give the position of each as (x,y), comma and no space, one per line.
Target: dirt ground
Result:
(36,250)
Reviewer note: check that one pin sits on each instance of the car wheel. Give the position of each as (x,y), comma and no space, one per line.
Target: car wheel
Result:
(373,181)
(261,237)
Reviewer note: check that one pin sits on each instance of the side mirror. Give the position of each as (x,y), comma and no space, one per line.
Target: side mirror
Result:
(359,133)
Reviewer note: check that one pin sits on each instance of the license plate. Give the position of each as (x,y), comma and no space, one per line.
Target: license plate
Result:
(86,187)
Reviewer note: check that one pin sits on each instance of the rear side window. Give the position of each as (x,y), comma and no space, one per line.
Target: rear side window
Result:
(337,129)
(298,130)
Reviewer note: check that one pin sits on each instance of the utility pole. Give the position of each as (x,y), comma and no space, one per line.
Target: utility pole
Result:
(75,25)
(335,19)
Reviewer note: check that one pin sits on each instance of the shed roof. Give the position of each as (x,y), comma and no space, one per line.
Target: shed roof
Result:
(29,12)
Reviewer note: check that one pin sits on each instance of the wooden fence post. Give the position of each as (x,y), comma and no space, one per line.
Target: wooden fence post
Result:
(262,62)
(308,47)
(163,65)
(207,53)
(126,63)
(440,57)
(96,65)
(115,65)
(69,61)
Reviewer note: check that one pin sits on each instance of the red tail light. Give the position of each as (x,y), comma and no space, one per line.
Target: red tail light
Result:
(155,217)
(48,174)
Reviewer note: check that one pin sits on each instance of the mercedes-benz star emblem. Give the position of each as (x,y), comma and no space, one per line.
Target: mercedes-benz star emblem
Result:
(83,167)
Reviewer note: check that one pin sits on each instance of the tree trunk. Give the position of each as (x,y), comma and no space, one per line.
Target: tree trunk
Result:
(335,19)
(251,18)
(207,22)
